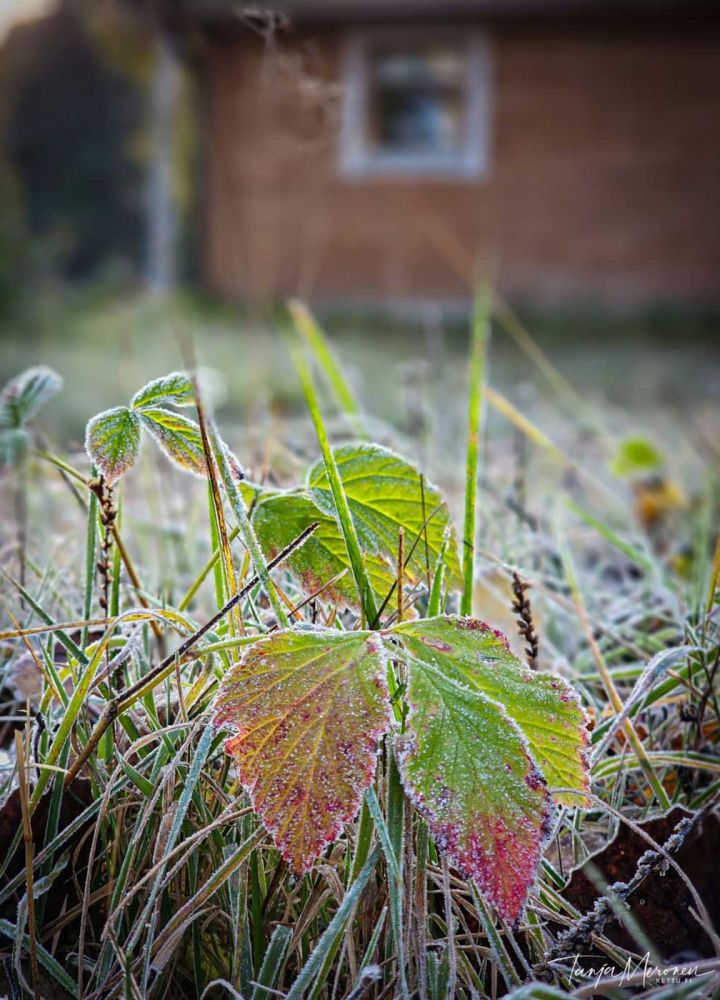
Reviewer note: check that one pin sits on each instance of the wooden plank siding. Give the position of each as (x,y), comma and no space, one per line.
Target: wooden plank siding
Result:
(604,179)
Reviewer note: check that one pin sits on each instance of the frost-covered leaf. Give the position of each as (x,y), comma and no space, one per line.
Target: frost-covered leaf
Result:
(309,708)
(279,518)
(384,494)
(467,768)
(544,706)
(178,437)
(175,389)
(26,394)
(112,439)
(14,443)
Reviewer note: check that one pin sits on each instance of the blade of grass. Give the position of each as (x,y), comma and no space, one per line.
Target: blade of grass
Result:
(312,334)
(23,786)
(247,532)
(126,698)
(272,963)
(193,907)
(51,965)
(480,336)
(367,597)
(435,599)
(218,527)
(605,675)
(315,961)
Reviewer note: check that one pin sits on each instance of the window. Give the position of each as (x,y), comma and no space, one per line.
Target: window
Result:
(415,106)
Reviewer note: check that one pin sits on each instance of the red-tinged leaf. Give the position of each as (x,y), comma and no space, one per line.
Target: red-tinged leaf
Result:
(544,706)
(309,708)
(467,768)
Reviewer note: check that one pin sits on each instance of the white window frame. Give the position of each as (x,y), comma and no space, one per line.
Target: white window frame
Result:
(358,160)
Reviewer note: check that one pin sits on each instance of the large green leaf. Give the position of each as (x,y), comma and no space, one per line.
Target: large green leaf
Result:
(384,494)
(178,437)
(544,706)
(278,518)
(175,389)
(23,396)
(466,766)
(112,440)
(309,708)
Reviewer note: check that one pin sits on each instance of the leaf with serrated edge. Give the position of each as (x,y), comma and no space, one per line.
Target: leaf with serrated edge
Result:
(181,441)
(544,706)
(24,396)
(112,440)
(310,708)
(468,770)
(178,437)
(383,492)
(278,518)
(175,389)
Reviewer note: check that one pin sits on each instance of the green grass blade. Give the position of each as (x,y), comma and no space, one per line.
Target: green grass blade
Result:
(480,335)
(247,532)
(272,963)
(497,945)
(44,958)
(435,599)
(362,580)
(312,334)
(342,915)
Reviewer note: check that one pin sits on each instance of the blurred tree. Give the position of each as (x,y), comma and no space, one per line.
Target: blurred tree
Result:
(67,138)
(162,221)
(97,129)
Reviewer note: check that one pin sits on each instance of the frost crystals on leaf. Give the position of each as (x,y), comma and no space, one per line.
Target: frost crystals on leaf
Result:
(309,709)
(477,724)
(112,441)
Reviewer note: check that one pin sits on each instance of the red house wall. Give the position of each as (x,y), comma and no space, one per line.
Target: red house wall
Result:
(604,181)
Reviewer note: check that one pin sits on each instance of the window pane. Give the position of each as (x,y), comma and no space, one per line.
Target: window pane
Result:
(416,100)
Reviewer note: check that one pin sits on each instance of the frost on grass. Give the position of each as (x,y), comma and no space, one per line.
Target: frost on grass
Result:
(544,706)
(309,709)
(384,492)
(467,768)
(112,440)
